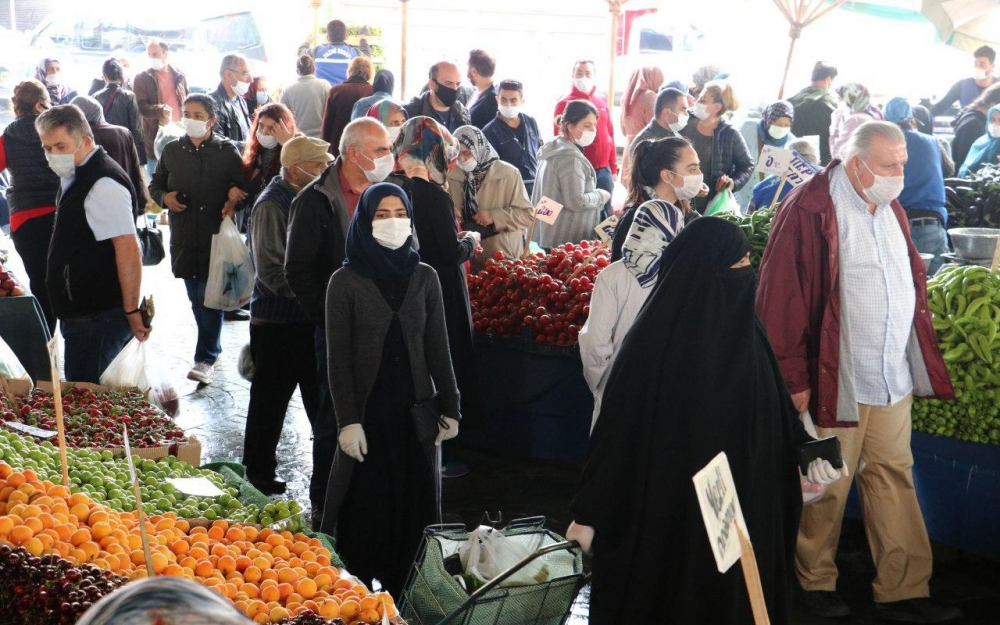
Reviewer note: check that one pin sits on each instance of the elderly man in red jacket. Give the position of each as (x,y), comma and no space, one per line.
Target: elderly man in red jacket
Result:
(843,295)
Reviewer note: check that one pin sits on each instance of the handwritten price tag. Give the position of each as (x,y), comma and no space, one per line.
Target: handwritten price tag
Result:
(548,210)
(775,160)
(606,229)
(30,429)
(720,509)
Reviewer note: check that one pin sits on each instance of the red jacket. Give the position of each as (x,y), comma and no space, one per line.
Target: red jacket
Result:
(798,299)
(600,153)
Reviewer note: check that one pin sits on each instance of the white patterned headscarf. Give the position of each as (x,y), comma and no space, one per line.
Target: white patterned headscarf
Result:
(656,224)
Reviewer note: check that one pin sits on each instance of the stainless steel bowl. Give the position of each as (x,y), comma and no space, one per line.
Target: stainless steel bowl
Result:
(974,243)
(927,258)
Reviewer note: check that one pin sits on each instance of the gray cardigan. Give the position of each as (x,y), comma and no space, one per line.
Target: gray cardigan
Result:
(566,176)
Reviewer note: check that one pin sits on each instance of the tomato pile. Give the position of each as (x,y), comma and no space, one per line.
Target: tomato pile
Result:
(539,292)
(95,419)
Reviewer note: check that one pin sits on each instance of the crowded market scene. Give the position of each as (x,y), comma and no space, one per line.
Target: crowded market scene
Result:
(429,312)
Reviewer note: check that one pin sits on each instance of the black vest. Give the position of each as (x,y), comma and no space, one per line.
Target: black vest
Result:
(82,276)
(32,183)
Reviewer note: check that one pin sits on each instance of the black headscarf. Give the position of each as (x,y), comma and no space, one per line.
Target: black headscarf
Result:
(384,82)
(695,376)
(364,254)
(924,122)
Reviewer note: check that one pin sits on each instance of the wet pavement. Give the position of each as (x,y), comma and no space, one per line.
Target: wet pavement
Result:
(498,486)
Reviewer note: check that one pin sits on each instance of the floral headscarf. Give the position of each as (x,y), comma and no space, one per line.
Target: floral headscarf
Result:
(474,139)
(428,143)
(384,109)
(855,96)
(772,113)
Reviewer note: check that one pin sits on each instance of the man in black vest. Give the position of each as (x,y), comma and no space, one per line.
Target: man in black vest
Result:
(94,264)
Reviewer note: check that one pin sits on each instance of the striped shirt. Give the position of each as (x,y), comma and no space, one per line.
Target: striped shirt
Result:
(876,288)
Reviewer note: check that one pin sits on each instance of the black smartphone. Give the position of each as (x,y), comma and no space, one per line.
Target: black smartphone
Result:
(825,449)
(147,310)
(182,197)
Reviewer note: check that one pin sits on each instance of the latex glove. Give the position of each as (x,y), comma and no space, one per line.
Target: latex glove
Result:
(583,534)
(353,442)
(822,472)
(448,431)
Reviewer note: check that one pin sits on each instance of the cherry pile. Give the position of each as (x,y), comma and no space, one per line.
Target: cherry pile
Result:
(49,590)
(95,419)
(309,617)
(549,293)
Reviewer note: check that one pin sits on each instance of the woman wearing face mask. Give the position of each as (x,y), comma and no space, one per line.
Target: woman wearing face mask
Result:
(343,97)
(489,197)
(426,152)
(671,167)
(637,105)
(391,114)
(720,146)
(972,122)
(273,126)
(49,73)
(775,127)
(198,179)
(986,149)
(257,96)
(855,109)
(566,176)
(385,324)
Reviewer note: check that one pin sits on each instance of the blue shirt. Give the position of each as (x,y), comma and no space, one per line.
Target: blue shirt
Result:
(517,146)
(332,60)
(923,176)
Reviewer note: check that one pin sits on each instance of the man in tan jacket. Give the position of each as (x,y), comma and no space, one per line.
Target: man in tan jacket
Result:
(159,91)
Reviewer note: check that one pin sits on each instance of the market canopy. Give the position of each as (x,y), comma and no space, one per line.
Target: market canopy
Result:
(965,24)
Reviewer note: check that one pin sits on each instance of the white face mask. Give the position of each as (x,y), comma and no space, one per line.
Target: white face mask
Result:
(778,132)
(394,132)
(241,87)
(267,141)
(701,110)
(156,64)
(312,177)
(63,164)
(691,188)
(54,80)
(885,189)
(980,74)
(682,121)
(261,98)
(194,128)
(383,167)
(468,165)
(584,85)
(586,138)
(391,233)
(510,112)
(994,130)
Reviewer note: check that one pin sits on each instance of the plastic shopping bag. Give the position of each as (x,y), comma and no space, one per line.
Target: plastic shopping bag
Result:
(724,201)
(10,366)
(488,553)
(230,273)
(132,369)
(166,134)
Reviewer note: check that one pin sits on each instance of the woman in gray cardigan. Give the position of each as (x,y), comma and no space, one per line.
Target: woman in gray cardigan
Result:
(387,352)
(566,176)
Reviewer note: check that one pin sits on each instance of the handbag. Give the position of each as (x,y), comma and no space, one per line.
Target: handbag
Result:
(427,419)
(151,241)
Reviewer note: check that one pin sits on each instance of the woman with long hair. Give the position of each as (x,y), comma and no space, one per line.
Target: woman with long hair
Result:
(273,125)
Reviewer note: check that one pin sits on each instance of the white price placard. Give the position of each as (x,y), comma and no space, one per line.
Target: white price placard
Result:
(30,429)
(548,210)
(720,509)
(606,229)
(775,160)
(197,486)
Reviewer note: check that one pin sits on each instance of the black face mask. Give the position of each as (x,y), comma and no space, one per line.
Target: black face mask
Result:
(447,95)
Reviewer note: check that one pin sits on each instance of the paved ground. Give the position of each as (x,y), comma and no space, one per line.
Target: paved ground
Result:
(510,487)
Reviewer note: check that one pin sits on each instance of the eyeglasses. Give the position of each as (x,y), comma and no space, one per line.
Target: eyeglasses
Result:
(244,73)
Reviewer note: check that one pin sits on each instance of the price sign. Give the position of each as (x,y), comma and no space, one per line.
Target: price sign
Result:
(720,509)
(800,170)
(548,210)
(198,486)
(606,229)
(30,429)
(775,160)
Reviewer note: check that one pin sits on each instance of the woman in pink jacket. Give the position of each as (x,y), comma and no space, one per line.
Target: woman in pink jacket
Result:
(637,107)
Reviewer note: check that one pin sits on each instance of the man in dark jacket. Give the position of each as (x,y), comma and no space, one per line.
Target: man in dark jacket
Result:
(159,92)
(483,105)
(118,143)
(317,235)
(94,265)
(814,106)
(513,134)
(440,101)
(234,117)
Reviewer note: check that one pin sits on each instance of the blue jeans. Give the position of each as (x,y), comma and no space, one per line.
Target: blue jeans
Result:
(92,342)
(931,239)
(151,167)
(209,323)
(607,182)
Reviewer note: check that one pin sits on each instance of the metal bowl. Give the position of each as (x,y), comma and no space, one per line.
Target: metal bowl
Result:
(927,258)
(974,243)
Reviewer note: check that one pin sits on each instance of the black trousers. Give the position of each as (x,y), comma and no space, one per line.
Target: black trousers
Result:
(324,426)
(284,357)
(31,241)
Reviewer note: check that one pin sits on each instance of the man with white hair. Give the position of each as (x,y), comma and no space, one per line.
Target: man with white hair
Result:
(234,116)
(317,235)
(843,296)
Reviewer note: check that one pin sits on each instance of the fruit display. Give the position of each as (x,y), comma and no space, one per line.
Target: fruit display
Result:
(95,418)
(105,479)
(269,575)
(757,228)
(49,590)
(9,287)
(974,202)
(548,293)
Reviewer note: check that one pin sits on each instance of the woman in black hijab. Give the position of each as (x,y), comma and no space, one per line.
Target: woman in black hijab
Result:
(695,376)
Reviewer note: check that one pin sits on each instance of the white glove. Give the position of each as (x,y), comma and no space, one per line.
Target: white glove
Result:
(353,442)
(447,431)
(583,534)
(605,196)
(822,472)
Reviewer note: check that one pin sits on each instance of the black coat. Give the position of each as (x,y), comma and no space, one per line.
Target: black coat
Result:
(33,184)
(484,109)
(119,144)
(969,126)
(123,110)
(226,111)
(205,174)
(421,105)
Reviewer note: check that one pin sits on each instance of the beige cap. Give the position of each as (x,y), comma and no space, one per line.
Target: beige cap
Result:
(303,150)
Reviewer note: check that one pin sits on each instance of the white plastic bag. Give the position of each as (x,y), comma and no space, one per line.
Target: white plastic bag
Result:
(488,553)
(132,369)
(230,273)
(10,366)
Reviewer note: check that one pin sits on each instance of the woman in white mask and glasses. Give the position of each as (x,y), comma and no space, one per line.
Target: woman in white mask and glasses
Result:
(387,338)
(671,168)
(567,177)
(273,126)
(199,180)
(489,197)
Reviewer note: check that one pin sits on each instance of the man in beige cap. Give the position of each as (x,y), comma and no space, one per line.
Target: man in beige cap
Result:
(281,334)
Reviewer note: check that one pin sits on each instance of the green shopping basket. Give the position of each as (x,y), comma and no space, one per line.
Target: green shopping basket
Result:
(434,597)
